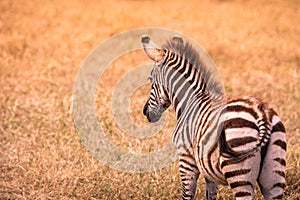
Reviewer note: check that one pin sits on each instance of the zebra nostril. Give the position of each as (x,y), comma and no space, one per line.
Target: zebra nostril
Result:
(153,117)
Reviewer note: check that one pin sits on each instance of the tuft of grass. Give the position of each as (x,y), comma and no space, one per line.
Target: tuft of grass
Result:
(255,45)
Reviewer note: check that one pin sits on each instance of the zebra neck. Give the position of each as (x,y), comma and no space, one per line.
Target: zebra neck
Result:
(194,100)
(186,83)
(196,123)
(185,95)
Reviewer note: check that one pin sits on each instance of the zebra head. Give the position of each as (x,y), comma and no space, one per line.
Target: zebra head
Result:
(158,100)
(156,104)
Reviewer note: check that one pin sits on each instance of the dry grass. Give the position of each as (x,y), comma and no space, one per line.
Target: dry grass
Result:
(255,44)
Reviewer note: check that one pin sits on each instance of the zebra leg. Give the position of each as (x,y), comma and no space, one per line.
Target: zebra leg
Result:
(272,177)
(211,190)
(189,174)
(242,176)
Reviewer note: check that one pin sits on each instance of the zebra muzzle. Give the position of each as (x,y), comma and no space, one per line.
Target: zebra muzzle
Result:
(152,116)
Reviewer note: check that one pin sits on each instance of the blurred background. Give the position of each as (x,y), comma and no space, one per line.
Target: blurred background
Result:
(255,44)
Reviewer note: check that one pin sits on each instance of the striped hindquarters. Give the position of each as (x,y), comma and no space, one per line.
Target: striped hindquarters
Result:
(253,148)
(246,128)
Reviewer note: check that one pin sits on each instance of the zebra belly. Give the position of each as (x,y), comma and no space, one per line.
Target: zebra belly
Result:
(209,166)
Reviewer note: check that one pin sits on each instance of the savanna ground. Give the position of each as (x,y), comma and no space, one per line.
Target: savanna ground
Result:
(255,44)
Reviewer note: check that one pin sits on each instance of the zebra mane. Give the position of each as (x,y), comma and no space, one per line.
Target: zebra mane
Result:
(186,50)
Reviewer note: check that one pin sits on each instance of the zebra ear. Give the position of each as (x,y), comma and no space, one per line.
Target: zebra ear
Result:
(152,50)
(177,39)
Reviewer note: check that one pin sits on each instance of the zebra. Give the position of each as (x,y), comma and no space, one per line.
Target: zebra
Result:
(234,142)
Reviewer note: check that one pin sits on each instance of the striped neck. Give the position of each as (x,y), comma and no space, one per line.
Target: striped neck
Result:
(185,83)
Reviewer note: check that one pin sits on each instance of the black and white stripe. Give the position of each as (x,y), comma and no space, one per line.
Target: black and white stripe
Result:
(239,142)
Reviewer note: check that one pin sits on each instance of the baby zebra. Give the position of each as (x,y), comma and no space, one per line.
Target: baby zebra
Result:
(234,143)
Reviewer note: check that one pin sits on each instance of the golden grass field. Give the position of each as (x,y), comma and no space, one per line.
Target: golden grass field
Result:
(255,44)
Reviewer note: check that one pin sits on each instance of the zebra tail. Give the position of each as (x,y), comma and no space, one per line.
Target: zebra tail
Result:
(228,152)
(264,134)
